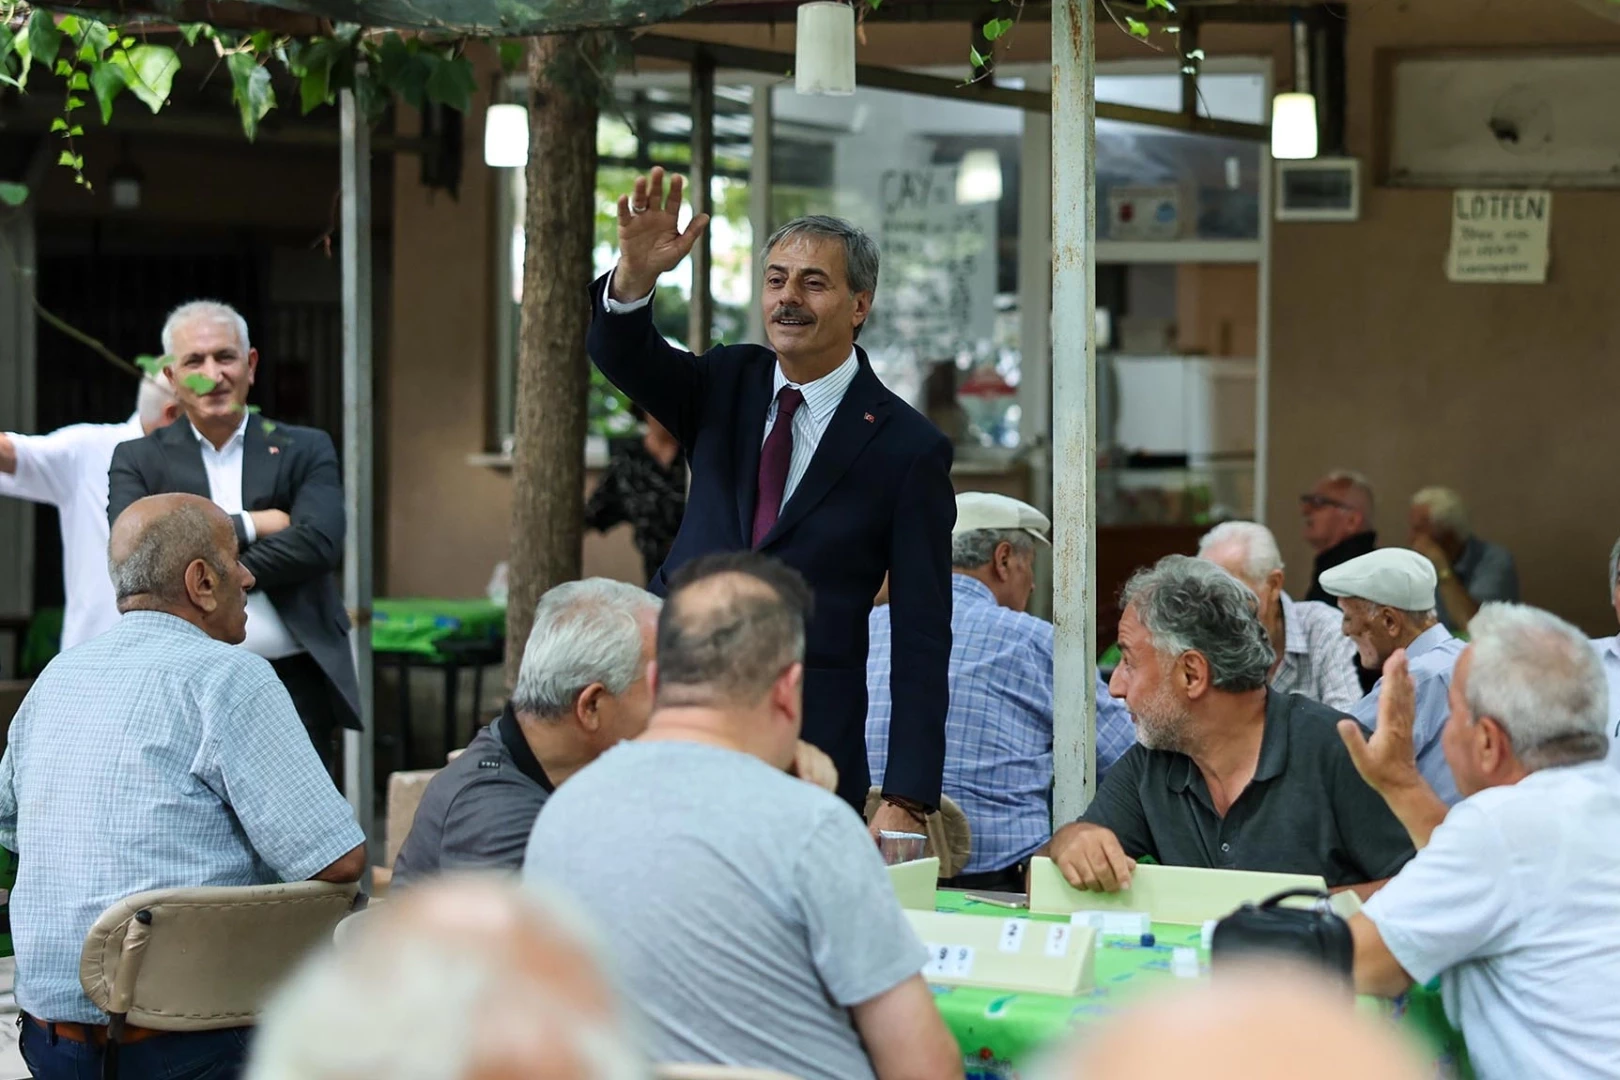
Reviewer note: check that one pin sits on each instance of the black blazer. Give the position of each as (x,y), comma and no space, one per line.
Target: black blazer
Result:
(294,469)
(876,499)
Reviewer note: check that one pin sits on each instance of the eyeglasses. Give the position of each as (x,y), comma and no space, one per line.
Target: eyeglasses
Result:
(1313,501)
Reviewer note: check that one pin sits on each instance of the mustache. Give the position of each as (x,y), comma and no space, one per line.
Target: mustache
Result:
(788,311)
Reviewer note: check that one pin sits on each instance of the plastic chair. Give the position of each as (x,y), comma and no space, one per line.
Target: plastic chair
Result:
(202,959)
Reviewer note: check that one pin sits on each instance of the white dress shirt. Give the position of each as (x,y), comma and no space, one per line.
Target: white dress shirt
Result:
(267,635)
(821,398)
(1514,904)
(1608,650)
(67,469)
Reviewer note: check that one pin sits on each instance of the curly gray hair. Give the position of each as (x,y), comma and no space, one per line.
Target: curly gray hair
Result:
(1189,605)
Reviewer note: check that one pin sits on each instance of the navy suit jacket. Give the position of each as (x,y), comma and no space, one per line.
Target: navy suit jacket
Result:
(283,468)
(876,499)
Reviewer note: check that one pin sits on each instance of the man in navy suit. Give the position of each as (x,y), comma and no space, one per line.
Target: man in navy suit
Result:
(800,452)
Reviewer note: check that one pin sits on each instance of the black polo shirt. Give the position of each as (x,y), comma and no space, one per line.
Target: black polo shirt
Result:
(479,810)
(1307,810)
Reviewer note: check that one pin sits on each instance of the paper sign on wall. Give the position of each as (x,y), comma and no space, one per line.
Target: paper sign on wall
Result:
(1499,236)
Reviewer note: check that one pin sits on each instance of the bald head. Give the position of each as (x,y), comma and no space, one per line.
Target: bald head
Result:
(467,978)
(1263,1023)
(732,624)
(156,538)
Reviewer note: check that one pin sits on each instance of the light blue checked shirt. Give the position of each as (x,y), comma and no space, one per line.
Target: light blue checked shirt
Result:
(152,757)
(998,730)
(1430,659)
(1608,650)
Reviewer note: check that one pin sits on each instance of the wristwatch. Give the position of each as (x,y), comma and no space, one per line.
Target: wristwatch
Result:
(910,806)
(1445,575)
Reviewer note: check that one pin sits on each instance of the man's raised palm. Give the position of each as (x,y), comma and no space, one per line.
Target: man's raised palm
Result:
(651,241)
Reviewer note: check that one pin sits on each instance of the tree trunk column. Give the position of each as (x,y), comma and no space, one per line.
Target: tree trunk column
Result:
(548,453)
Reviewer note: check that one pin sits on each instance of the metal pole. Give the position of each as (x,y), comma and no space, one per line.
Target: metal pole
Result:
(1035,330)
(759,197)
(700,324)
(355,247)
(1074,385)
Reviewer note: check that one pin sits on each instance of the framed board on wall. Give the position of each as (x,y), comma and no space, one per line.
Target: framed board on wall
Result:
(1501,118)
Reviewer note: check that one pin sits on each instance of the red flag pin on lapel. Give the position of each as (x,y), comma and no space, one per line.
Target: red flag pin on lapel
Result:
(870,419)
(275,449)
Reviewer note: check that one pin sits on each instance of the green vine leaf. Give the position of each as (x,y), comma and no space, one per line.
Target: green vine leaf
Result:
(149,71)
(44,39)
(192,31)
(78,81)
(152,365)
(313,62)
(1137,27)
(402,69)
(451,81)
(1164,4)
(976,58)
(511,51)
(251,90)
(995,28)
(13,194)
(198,383)
(107,81)
(96,39)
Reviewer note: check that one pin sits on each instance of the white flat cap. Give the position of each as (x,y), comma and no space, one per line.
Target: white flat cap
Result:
(1394,577)
(984,510)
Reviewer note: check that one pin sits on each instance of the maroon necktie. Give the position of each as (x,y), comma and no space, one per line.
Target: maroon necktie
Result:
(774,460)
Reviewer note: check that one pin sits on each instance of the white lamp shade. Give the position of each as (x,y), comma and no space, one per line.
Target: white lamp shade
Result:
(506,136)
(1293,126)
(824,49)
(978,178)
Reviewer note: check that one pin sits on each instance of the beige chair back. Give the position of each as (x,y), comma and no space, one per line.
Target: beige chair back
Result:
(404,796)
(949,836)
(200,959)
(716,1072)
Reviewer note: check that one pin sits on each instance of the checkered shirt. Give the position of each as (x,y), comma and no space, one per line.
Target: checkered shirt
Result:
(152,757)
(1318,660)
(998,730)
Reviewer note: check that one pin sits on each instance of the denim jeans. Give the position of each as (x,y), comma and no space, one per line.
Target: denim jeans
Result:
(189,1055)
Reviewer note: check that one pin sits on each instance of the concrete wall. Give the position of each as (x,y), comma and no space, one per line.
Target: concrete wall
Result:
(1505,392)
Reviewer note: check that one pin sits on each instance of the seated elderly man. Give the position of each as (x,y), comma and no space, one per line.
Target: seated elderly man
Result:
(1338,524)
(464,978)
(156,756)
(753,920)
(1314,657)
(1470,571)
(1388,603)
(1513,899)
(998,730)
(582,687)
(1608,650)
(1226,774)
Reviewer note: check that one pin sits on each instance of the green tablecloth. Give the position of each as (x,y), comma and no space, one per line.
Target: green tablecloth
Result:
(420,626)
(999,1031)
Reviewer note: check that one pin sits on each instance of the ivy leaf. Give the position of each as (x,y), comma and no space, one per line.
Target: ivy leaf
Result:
(64,67)
(73,102)
(58,124)
(152,365)
(78,81)
(1165,4)
(71,160)
(874,4)
(13,194)
(44,39)
(451,81)
(995,28)
(96,40)
(251,90)
(976,58)
(197,382)
(511,55)
(312,62)
(149,72)
(1137,27)
(403,70)
(69,25)
(191,31)
(107,80)
(262,40)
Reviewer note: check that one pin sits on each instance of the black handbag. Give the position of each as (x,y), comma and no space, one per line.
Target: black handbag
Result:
(1315,935)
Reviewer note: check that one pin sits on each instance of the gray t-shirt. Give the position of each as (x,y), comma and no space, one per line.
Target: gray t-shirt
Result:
(746,910)
(477,813)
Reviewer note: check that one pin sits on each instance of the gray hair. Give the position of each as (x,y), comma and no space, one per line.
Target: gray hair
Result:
(734,622)
(1614,568)
(208,310)
(384,1004)
(151,399)
(1358,484)
(1539,678)
(1188,605)
(860,250)
(155,564)
(972,549)
(1259,547)
(1446,510)
(584,632)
